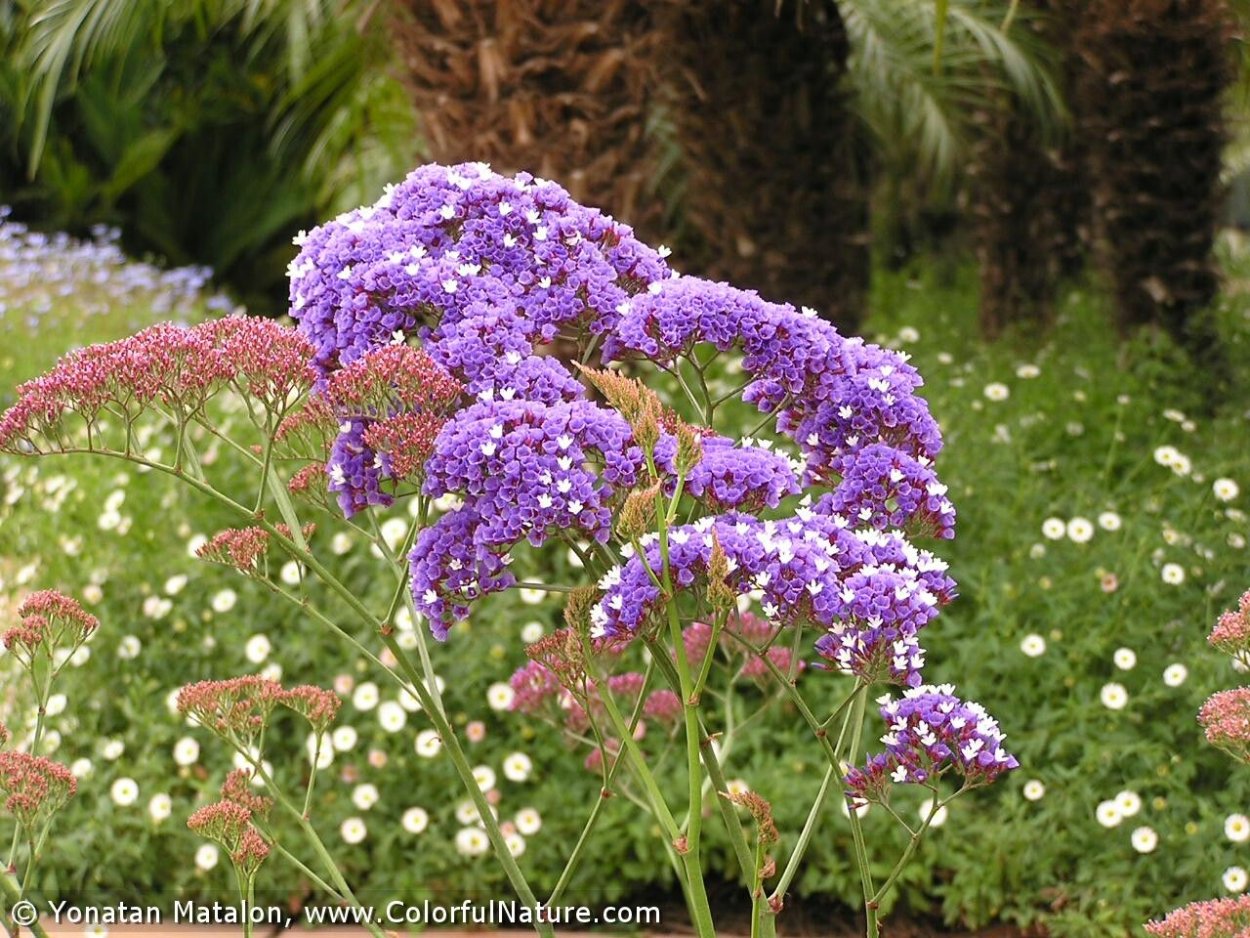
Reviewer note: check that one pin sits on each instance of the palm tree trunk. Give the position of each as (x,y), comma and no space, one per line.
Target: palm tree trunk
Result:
(776,197)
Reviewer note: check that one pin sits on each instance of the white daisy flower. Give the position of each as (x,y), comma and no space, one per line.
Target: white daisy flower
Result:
(174,585)
(528,821)
(124,792)
(484,775)
(1113,696)
(415,820)
(320,748)
(1129,803)
(515,842)
(1144,839)
(1054,529)
(939,818)
(365,796)
(1033,645)
(186,751)
(129,647)
(290,573)
(353,830)
(1034,790)
(341,543)
(393,531)
(1125,659)
(206,857)
(997,391)
(1237,828)
(1225,489)
(532,632)
(1109,521)
(56,705)
(365,697)
(1108,814)
(472,841)
(344,738)
(392,716)
(1174,675)
(160,807)
(1080,530)
(500,696)
(532,597)
(81,768)
(223,600)
(112,749)
(1173,574)
(467,812)
(428,744)
(1235,879)
(517,767)
(257,649)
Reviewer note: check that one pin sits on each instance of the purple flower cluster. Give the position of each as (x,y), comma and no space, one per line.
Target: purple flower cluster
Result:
(870,589)
(482,270)
(931,731)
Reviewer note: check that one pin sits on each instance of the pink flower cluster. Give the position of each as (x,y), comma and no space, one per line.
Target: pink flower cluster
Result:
(242,548)
(172,366)
(241,706)
(230,824)
(1226,718)
(35,787)
(1215,918)
(49,620)
(1231,634)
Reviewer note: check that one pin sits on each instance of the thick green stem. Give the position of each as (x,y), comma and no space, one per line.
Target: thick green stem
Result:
(13,895)
(857,830)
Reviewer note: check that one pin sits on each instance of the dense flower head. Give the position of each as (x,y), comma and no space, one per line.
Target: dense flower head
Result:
(747,477)
(1231,634)
(1226,718)
(315,704)
(238,788)
(931,731)
(250,852)
(239,548)
(451,568)
(870,590)
(1214,918)
(177,367)
(34,787)
(238,706)
(50,620)
(887,488)
(222,821)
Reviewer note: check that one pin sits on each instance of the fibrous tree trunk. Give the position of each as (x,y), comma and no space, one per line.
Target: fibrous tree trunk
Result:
(1029,197)
(559,88)
(1149,103)
(775,189)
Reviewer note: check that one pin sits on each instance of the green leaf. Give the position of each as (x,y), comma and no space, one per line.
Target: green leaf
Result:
(141,157)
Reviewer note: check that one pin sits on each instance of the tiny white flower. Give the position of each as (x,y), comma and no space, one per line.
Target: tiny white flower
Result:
(55,705)
(1108,814)
(467,813)
(1113,696)
(174,585)
(517,767)
(392,716)
(160,807)
(484,775)
(939,818)
(500,696)
(81,768)
(528,821)
(1225,489)
(353,830)
(1237,828)
(206,857)
(341,543)
(737,786)
(428,744)
(996,391)
(320,748)
(112,749)
(532,597)
(1054,529)
(124,792)
(129,647)
(1034,790)
(365,697)
(1033,645)
(223,600)
(365,796)
(1080,530)
(515,842)
(290,573)
(1144,839)
(1109,521)
(1027,371)
(344,738)
(257,649)
(1235,879)
(1173,574)
(1129,803)
(532,632)
(415,820)
(1125,659)
(186,751)
(1174,674)
(472,841)
(394,530)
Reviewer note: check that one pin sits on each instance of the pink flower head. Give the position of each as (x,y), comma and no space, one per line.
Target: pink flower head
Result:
(35,787)
(1231,634)
(239,548)
(250,853)
(1226,718)
(221,821)
(237,788)
(239,707)
(49,621)
(1215,918)
(316,705)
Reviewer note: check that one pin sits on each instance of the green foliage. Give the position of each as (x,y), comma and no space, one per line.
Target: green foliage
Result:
(1074,436)
(213,129)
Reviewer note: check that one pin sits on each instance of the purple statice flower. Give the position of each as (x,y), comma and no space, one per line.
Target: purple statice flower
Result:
(887,488)
(835,397)
(747,477)
(355,471)
(808,567)
(451,567)
(930,731)
(522,467)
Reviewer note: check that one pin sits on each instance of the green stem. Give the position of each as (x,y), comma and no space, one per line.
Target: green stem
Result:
(857,830)
(12,895)
(299,865)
